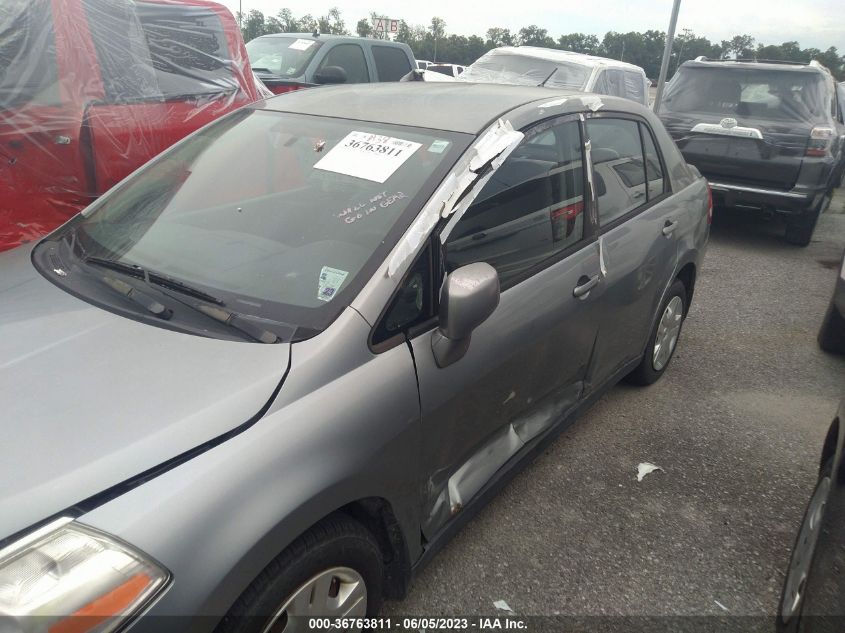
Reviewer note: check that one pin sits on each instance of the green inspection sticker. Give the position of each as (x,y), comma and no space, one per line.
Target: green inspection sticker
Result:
(438,146)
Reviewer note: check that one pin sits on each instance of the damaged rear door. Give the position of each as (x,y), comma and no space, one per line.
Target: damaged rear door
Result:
(525,365)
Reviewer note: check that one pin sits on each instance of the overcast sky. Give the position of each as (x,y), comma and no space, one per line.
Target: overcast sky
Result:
(818,23)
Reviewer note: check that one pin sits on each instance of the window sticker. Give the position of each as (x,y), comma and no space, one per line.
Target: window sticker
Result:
(438,146)
(368,156)
(302,45)
(331,279)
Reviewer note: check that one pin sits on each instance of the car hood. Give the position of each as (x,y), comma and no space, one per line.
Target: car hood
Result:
(89,399)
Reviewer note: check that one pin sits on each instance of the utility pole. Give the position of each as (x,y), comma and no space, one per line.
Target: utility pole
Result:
(667,51)
(240,13)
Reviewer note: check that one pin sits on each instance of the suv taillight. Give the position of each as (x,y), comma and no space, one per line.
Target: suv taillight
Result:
(709,204)
(821,138)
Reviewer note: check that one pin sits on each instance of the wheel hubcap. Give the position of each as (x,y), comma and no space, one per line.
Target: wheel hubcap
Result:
(667,333)
(802,556)
(336,592)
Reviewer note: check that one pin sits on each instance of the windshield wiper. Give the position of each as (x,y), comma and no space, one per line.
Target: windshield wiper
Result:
(153,277)
(136,296)
(547,78)
(236,321)
(226,317)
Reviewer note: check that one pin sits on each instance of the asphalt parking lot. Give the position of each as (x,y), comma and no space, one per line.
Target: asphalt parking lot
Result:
(737,425)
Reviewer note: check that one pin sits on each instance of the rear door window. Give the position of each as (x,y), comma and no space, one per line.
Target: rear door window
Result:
(149,50)
(653,166)
(618,167)
(634,88)
(350,57)
(28,72)
(391,63)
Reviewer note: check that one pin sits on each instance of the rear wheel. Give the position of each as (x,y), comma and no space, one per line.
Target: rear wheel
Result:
(832,332)
(334,570)
(663,338)
(799,231)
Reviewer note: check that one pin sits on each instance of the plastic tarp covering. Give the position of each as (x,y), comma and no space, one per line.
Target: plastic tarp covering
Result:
(749,93)
(510,66)
(92,89)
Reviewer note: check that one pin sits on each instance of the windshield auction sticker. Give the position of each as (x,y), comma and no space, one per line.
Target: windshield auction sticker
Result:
(368,156)
(302,45)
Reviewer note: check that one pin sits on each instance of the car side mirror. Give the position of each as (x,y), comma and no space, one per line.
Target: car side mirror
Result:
(469,296)
(330,75)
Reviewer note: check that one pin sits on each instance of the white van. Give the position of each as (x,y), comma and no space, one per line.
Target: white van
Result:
(534,66)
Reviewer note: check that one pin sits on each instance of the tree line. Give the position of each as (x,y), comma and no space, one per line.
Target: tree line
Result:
(645,49)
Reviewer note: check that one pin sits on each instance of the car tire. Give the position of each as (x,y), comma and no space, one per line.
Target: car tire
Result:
(673,309)
(335,555)
(800,230)
(803,553)
(832,332)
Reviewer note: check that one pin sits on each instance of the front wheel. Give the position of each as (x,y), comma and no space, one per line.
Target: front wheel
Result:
(803,552)
(663,338)
(334,570)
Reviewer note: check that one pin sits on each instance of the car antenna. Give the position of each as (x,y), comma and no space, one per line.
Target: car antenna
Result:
(543,83)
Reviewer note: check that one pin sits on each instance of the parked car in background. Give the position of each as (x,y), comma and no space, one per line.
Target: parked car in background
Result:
(767,135)
(92,89)
(290,61)
(400,294)
(813,595)
(534,66)
(832,332)
(450,70)
(422,64)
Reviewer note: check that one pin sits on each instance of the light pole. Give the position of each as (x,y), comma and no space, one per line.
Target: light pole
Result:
(667,51)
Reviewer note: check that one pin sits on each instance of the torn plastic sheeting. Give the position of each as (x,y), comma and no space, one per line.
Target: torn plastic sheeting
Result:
(554,103)
(493,147)
(593,102)
(646,468)
(92,89)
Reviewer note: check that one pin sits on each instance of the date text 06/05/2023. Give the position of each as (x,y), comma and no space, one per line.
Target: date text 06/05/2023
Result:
(481,623)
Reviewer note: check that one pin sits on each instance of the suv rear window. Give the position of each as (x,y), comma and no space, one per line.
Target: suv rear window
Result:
(152,51)
(765,93)
(391,63)
(28,72)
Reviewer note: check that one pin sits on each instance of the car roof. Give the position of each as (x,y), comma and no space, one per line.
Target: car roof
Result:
(457,107)
(750,64)
(555,55)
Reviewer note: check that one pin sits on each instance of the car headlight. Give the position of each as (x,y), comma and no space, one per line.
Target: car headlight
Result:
(67,578)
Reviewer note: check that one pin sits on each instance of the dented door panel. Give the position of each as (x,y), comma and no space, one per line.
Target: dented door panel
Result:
(523,372)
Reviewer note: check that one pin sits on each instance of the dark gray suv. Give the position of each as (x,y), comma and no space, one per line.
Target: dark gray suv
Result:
(289,61)
(276,390)
(766,135)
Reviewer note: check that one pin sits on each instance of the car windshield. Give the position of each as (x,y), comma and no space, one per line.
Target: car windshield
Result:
(281,216)
(786,95)
(505,68)
(283,56)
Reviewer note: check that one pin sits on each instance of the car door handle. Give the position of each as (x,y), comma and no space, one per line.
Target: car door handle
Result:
(585,286)
(669,227)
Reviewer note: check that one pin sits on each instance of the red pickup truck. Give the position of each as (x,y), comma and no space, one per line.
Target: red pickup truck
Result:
(92,89)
